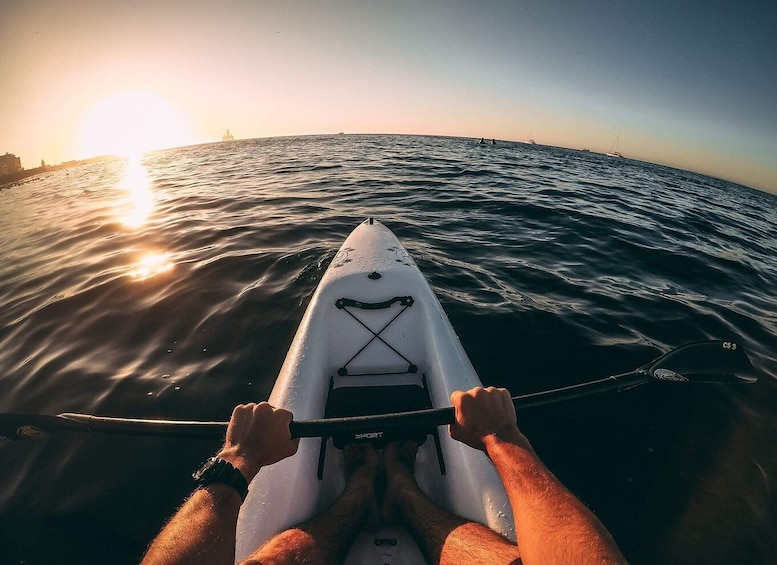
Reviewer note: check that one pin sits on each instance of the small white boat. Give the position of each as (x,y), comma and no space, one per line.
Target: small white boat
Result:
(613,150)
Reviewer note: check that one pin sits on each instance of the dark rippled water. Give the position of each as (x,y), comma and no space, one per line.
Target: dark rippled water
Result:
(172,288)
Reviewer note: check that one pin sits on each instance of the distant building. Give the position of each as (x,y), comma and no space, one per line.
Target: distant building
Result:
(10,164)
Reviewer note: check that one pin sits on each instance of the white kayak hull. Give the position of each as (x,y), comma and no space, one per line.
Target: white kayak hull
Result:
(329,340)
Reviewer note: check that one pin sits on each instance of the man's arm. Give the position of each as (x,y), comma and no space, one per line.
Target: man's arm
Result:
(203,530)
(551,524)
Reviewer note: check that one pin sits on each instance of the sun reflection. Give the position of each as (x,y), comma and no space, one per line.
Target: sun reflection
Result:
(151,265)
(140,199)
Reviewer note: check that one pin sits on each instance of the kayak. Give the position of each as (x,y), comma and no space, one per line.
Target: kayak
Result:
(374,340)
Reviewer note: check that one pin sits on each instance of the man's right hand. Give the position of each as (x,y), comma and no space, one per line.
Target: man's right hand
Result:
(482,413)
(258,435)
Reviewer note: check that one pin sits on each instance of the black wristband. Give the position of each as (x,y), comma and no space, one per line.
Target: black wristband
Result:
(217,470)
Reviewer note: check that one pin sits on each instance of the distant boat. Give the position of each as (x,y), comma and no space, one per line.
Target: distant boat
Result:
(227,136)
(613,150)
(531,141)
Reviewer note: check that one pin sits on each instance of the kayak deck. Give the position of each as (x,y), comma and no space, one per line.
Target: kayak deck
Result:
(374,339)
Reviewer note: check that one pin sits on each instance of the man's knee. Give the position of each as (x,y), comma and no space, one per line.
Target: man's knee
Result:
(289,547)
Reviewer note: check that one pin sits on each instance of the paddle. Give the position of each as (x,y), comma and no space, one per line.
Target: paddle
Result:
(722,362)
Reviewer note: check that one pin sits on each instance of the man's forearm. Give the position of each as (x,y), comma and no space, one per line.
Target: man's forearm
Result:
(551,524)
(202,531)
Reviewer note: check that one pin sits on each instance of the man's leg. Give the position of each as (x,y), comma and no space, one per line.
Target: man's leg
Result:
(327,538)
(442,537)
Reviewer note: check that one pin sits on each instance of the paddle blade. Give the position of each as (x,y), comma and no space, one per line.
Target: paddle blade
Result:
(704,362)
(30,426)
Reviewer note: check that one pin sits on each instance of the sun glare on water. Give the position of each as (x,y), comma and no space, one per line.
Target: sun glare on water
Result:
(151,265)
(130,123)
(135,206)
(139,199)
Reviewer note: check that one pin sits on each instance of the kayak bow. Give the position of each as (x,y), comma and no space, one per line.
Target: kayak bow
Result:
(374,340)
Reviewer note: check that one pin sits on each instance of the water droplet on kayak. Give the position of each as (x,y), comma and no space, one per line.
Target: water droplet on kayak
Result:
(177,388)
(165,376)
(149,394)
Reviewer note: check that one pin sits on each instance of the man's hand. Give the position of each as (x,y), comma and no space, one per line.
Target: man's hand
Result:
(258,435)
(483,413)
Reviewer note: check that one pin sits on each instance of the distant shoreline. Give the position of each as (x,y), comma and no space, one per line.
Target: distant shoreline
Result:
(13,178)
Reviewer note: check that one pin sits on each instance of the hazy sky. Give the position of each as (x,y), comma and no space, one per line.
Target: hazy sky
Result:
(691,84)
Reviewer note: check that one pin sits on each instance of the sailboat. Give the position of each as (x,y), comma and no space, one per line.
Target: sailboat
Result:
(227,136)
(613,150)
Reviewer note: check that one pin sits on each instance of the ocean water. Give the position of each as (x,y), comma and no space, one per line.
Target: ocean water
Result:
(171,287)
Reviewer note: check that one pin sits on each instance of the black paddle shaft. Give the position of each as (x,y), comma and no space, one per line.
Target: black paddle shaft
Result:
(723,362)
(362,427)
(22,426)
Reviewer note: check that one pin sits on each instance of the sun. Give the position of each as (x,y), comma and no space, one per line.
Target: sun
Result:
(131,122)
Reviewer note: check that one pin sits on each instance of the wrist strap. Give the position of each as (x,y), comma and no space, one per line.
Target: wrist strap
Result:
(217,470)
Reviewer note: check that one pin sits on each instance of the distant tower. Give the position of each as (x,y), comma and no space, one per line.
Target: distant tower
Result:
(227,136)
